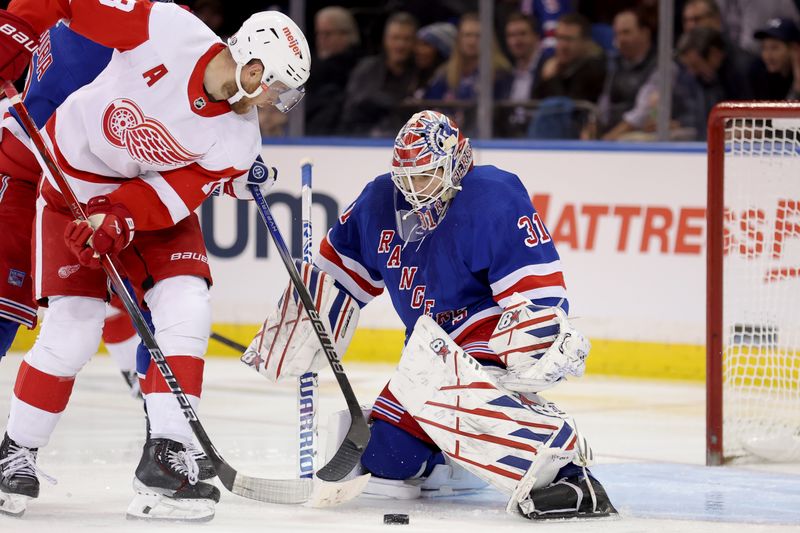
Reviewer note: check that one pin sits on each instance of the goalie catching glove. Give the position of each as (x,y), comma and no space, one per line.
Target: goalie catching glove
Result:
(286,346)
(538,345)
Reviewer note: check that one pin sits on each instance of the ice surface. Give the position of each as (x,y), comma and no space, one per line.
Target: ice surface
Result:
(648,437)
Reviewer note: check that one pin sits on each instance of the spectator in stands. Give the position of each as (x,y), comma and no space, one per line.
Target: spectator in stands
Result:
(434,46)
(741,18)
(628,72)
(713,72)
(457,79)
(336,54)
(705,13)
(379,82)
(547,13)
(523,44)
(578,68)
(778,76)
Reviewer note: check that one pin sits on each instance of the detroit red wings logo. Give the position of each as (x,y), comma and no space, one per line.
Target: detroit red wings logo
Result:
(145,138)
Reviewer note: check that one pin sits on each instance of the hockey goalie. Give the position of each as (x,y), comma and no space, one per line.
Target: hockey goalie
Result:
(475,277)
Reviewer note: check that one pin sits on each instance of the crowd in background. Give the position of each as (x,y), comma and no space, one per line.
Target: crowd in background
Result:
(561,69)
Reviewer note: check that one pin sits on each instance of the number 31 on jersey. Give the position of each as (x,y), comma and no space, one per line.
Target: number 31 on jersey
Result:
(533,237)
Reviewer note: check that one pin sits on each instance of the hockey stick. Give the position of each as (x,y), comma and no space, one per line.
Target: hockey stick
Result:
(307,395)
(225,341)
(265,490)
(349,453)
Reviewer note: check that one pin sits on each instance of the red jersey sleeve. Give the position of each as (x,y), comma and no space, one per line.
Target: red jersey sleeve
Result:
(120,24)
(160,200)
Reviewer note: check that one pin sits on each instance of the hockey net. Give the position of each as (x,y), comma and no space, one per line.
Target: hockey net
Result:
(753,283)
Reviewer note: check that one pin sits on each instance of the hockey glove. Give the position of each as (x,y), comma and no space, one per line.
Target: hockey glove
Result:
(18,40)
(259,174)
(108,230)
(538,345)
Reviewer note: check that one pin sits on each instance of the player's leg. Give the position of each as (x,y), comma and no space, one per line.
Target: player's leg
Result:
(19,173)
(167,481)
(122,343)
(404,462)
(69,336)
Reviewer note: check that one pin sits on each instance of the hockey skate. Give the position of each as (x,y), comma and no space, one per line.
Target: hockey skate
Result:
(577,496)
(205,467)
(18,477)
(167,485)
(204,464)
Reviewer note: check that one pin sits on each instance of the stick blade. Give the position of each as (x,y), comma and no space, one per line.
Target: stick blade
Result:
(284,491)
(349,453)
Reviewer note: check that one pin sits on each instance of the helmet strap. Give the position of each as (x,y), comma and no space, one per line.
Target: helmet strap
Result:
(241,93)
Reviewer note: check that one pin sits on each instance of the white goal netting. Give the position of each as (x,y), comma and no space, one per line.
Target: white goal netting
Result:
(761,289)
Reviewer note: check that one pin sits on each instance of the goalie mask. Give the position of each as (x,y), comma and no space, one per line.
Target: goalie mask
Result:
(276,41)
(431,157)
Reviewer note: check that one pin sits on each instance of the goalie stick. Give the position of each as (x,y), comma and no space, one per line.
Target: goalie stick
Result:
(307,384)
(349,453)
(265,490)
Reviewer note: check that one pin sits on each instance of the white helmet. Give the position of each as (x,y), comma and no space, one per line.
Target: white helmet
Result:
(277,41)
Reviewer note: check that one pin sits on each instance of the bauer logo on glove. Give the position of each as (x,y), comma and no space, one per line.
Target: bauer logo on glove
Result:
(441,349)
(538,345)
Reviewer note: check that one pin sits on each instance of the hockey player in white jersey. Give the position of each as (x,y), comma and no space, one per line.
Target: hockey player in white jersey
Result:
(171,117)
(475,277)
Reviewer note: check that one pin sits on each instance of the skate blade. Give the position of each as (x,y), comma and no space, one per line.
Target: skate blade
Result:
(13,504)
(152,506)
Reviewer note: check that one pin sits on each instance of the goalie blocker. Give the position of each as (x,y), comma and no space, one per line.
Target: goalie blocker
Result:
(522,445)
(286,346)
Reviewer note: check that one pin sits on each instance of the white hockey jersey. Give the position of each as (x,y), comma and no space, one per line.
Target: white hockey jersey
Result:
(144,131)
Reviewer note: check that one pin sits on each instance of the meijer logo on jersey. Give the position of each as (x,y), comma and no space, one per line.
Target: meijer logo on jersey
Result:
(292,42)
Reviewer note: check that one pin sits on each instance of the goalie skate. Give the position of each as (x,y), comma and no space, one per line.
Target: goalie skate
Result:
(577,496)
(167,485)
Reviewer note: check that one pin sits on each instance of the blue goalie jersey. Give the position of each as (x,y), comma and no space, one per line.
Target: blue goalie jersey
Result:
(490,244)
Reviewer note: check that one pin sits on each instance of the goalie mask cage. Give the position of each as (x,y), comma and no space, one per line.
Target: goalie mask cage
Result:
(753,282)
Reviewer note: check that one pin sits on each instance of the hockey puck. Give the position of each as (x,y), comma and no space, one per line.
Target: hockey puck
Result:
(395,519)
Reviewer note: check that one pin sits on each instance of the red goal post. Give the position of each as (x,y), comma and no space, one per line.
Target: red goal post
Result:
(753,282)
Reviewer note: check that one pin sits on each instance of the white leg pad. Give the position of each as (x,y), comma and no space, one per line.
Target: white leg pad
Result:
(489,431)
